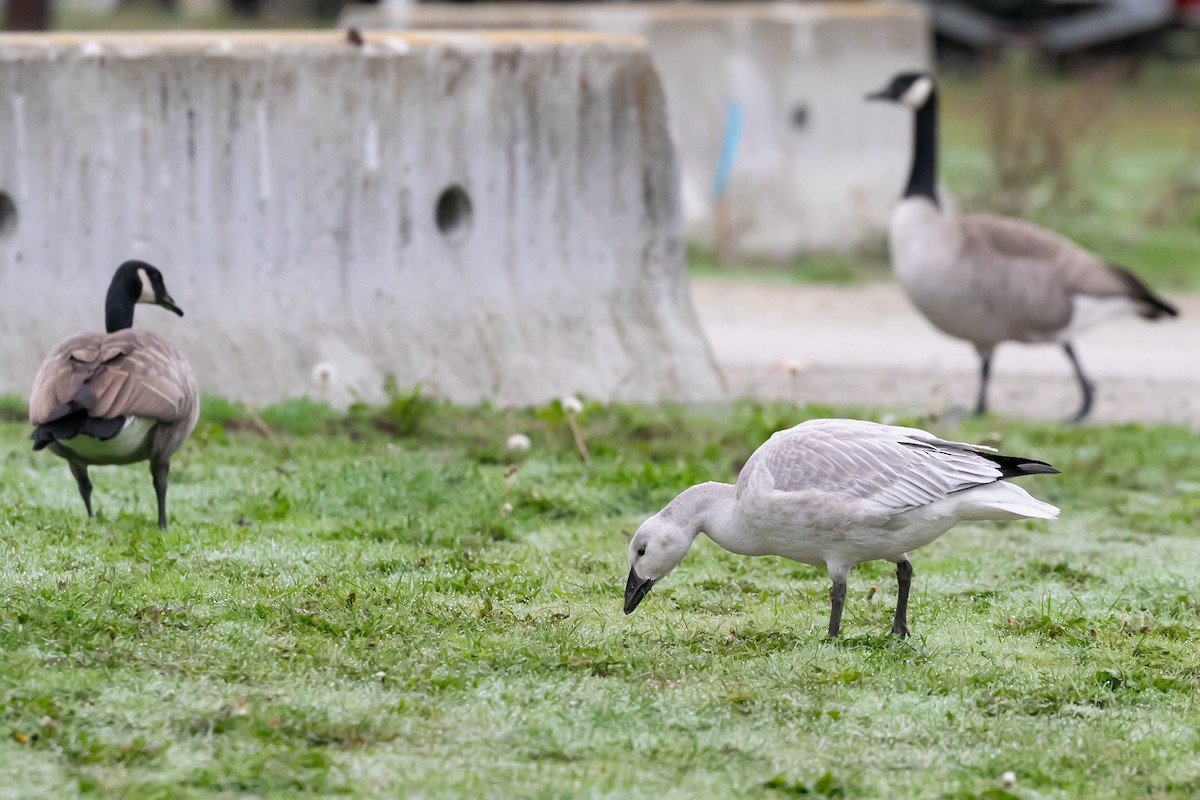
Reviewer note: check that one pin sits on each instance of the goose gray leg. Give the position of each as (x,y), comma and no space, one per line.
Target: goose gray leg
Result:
(1084,384)
(837,596)
(84,483)
(904,573)
(837,599)
(985,374)
(159,471)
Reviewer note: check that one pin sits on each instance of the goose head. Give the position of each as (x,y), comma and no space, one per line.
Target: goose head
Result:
(912,89)
(146,282)
(135,282)
(657,548)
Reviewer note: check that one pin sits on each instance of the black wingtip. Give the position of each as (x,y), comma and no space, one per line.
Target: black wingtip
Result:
(1039,468)
(1155,308)
(1012,467)
(1151,306)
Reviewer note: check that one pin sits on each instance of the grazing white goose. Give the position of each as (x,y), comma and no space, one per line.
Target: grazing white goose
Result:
(837,492)
(990,279)
(117,397)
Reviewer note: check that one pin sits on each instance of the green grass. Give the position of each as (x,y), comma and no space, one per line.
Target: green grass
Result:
(337,609)
(1134,195)
(847,269)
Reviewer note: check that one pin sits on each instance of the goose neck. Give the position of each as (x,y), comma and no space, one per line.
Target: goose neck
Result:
(922,180)
(123,295)
(710,508)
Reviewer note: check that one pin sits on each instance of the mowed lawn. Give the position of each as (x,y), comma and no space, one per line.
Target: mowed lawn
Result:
(348,606)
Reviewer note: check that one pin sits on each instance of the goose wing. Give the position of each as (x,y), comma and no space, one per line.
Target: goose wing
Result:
(1045,269)
(890,469)
(127,373)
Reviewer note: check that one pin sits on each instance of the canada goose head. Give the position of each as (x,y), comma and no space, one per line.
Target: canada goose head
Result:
(135,282)
(657,548)
(912,89)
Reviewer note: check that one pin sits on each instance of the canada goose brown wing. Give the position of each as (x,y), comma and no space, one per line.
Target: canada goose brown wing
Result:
(1022,272)
(1049,261)
(127,373)
(1016,238)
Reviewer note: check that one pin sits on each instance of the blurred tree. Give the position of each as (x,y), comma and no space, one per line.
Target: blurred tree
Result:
(27,15)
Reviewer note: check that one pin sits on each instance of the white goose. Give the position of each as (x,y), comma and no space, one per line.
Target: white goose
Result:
(837,492)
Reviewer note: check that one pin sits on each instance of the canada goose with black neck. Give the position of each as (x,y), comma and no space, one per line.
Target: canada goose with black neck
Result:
(990,279)
(117,397)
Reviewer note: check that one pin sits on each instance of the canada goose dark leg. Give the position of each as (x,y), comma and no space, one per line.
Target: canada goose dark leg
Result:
(159,471)
(985,374)
(1084,384)
(85,484)
(904,572)
(837,599)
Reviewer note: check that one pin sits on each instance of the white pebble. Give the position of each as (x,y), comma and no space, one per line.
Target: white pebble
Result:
(518,443)
(506,509)
(1008,779)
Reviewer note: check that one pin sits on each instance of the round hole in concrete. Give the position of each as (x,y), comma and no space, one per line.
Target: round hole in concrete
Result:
(799,116)
(453,213)
(8,216)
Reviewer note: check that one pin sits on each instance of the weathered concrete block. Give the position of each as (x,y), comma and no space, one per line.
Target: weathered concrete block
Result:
(491,215)
(816,168)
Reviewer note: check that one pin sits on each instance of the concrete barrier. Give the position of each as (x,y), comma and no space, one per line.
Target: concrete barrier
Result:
(816,168)
(491,215)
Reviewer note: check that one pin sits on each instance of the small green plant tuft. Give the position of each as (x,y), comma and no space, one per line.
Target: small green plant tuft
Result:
(404,412)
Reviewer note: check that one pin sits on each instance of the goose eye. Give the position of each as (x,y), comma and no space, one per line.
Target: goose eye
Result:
(641,551)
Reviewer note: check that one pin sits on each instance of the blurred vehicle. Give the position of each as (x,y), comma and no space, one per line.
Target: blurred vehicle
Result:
(1188,13)
(1059,28)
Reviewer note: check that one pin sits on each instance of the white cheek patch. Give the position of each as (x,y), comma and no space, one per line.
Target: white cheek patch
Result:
(916,95)
(148,295)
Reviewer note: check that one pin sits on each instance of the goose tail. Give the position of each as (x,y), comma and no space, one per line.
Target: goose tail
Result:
(1149,305)
(1003,501)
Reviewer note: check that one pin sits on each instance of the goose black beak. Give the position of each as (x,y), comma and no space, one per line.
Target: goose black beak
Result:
(166,302)
(635,589)
(880,95)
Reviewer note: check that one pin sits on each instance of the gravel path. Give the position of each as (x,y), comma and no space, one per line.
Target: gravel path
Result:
(866,346)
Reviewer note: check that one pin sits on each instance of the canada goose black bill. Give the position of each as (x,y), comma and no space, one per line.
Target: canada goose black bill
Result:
(835,493)
(117,397)
(989,279)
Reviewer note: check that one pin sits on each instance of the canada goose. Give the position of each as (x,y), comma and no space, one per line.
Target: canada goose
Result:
(990,279)
(117,397)
(837,492)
